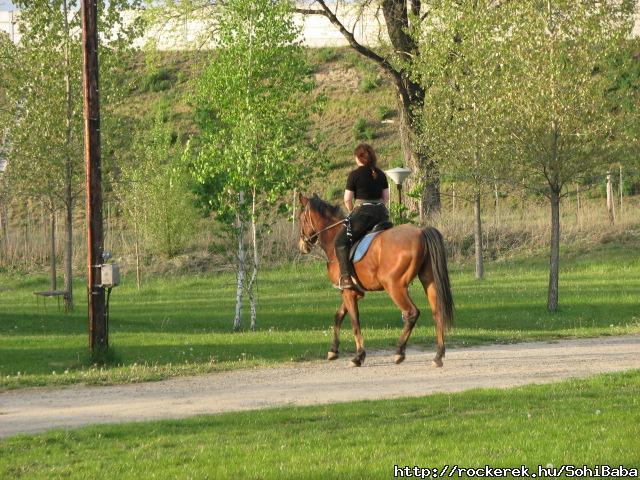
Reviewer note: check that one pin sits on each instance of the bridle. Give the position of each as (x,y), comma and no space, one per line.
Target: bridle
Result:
(311,240)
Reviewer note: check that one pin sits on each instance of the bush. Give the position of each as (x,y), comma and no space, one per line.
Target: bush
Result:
(334,193)
(384,112)
(157,80)
(369,83)
(362,130)
(326,55)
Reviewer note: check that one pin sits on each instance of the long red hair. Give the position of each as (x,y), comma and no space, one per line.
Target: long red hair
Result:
(367,156)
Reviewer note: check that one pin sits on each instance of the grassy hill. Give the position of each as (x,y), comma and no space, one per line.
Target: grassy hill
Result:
(357,102)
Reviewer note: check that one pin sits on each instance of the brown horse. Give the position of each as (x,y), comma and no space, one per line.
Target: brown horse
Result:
(393,260)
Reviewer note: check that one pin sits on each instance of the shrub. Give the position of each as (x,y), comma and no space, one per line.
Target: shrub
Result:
(157,80)
(384,112)
(362,130)
(334,193)
(326,55)
(370,82)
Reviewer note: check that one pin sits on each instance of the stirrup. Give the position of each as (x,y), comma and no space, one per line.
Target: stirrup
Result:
(346,282)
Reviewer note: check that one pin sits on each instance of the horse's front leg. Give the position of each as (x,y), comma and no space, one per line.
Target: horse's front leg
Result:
(350,301)
(337,324)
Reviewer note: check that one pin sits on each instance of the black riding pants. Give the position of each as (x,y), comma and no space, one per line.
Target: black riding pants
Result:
(362,219)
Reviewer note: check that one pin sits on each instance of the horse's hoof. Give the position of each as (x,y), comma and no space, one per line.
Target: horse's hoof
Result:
(436,363)
(332,355)
(355,363)
(398,358)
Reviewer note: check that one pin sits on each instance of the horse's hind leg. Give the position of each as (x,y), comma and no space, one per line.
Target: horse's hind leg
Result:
(337,323)
(428,283)
(350,301)
(410,314)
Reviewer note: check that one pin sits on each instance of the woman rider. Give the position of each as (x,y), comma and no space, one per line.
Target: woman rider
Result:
(368,186)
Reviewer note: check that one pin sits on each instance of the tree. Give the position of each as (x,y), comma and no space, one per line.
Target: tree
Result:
(255,99)
(400,16)
(560,119)
(459,70)
(394,58)
(154,192)
(42,80)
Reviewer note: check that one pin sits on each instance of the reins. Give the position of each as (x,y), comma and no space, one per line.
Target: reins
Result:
(308,240)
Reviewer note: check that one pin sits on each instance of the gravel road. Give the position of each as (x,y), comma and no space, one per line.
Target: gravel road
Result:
(312,383)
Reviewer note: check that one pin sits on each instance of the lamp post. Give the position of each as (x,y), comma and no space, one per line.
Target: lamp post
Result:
(398,175)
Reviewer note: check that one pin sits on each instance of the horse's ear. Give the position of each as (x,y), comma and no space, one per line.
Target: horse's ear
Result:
(303,200)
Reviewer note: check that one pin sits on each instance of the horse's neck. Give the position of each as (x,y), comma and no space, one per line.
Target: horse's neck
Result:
(328,237)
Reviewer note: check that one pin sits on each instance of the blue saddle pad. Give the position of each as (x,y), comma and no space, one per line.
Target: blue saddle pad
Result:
(359,249)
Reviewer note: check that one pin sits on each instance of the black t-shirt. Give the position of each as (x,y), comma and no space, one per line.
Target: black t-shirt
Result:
(366,187)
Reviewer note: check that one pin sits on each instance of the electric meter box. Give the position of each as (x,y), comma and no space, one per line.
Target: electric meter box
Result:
(110,275)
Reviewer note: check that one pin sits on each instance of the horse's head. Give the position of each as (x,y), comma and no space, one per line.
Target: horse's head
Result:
(308,232)
(314,217)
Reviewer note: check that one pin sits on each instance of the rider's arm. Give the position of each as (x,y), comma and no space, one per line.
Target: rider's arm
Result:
(385,196)
(348,199)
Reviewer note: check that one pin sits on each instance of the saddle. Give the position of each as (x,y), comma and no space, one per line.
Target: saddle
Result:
(360,248)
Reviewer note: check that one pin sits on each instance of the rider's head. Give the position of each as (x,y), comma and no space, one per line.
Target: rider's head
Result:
(366,156)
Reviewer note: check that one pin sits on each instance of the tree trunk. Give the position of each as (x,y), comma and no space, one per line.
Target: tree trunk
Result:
(254,275)
(496,205)
(620,187)
(137,251)
(4,231)
(578,204)
(293,213)
(240,264)
(554,258)
(52,251)
(424,170)
(68,253)
(453,200)
(610,201)
(477,236)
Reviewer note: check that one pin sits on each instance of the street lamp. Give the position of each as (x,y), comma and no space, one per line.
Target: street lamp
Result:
(398,175)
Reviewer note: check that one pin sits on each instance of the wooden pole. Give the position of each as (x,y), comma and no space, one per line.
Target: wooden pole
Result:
(96,296)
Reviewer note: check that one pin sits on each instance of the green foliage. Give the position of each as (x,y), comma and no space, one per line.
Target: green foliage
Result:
(384,112)
(369,83)
(363,130)
(155,192)
(400,214)
(326,54)
(459,68)
(156,81)
(253,104)
(334,192)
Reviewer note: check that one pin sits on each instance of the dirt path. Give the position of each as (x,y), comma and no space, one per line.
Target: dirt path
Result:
(501,366)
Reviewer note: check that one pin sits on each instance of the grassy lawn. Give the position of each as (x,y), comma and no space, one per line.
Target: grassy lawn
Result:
(183,325)
(579,422)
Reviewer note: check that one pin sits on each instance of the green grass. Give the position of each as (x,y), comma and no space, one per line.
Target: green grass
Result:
(578,422)
(182,325)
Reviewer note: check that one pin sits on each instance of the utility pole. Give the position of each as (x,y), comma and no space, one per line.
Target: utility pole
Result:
(98,335)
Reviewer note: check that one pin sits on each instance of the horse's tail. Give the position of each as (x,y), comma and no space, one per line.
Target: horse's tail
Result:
(438,256)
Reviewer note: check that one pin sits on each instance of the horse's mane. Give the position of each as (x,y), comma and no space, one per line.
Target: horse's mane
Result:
(325,209)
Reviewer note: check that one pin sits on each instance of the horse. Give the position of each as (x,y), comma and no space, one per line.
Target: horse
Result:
(395,257)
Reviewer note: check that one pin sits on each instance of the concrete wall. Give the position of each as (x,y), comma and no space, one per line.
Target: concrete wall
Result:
(368,28)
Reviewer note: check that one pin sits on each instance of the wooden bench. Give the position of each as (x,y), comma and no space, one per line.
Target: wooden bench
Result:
(48,294)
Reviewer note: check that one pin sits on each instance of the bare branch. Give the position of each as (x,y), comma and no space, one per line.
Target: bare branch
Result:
(361,49)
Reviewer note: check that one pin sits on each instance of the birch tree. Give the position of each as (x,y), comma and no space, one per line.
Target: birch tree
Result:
(256,92)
